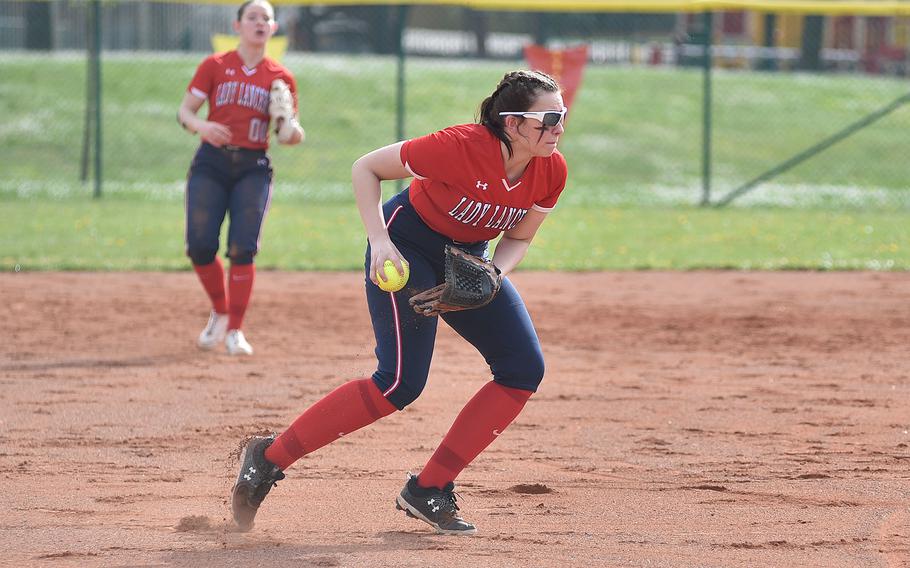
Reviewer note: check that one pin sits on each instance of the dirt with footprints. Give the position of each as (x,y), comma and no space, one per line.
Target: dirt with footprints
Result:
(686,419)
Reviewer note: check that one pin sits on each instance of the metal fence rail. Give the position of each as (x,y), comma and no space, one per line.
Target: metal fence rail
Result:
(779,84)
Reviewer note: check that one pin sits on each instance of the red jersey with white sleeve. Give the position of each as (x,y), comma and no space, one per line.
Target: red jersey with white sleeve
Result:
(460,188)
(238,96)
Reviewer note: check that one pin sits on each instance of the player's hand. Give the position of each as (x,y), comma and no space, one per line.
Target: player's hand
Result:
(381,250)
(215,133)
(289,131)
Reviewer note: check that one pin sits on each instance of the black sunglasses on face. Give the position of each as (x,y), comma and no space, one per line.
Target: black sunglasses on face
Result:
(548,118)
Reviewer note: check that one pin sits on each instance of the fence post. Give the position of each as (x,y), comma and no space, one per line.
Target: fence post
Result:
(89,118)
(96,68)
(400,90)
(92,127)
(706,111)
(767,61)
(402,17)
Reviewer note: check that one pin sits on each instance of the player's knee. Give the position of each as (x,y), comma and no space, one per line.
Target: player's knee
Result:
(525,372)
(533,373)
(240,256)
(404,395)
(400,392)
(201,256)
(538,370)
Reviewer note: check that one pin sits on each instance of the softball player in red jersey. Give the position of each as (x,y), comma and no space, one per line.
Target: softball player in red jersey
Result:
(471,183)
(231,171)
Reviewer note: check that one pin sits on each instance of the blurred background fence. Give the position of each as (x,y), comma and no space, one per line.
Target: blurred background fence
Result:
(784,77)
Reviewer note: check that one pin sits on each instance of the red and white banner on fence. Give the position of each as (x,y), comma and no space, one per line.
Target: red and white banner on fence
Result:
(565,65)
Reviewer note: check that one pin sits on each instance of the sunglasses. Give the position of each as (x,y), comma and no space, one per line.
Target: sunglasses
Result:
(548,118)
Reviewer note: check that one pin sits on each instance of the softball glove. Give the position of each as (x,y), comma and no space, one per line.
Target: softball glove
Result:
(281,110)
(471,282)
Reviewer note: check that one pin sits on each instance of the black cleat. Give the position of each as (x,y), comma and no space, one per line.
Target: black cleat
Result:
(256,478)
(433,506)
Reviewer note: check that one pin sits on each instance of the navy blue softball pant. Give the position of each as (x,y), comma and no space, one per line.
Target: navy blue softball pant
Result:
(222,180)
(501,331)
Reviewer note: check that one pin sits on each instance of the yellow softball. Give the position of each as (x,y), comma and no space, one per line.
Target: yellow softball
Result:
(393,281)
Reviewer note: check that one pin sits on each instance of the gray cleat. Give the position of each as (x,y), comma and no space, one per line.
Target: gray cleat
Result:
(255,480)
(433,506)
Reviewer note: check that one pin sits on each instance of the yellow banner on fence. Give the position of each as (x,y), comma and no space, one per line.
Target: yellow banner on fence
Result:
(275,48)
(821,7)
(831,7)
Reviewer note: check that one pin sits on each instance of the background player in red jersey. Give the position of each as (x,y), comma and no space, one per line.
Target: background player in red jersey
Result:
(472,182)
(231,171)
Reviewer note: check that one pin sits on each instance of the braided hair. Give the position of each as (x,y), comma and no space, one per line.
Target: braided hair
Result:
(516,92)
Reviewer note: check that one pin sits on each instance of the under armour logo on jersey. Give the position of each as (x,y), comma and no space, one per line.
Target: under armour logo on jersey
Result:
(262,162)
(481,185)
(230,72)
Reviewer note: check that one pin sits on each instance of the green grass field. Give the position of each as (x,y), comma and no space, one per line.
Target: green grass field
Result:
(633,145)
(130,234)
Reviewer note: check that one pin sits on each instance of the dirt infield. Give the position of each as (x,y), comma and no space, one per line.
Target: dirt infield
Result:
(686,419)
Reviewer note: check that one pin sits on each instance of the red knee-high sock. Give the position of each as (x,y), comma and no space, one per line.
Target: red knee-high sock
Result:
(212,277)
(240,287)
(346,409)
(479,423)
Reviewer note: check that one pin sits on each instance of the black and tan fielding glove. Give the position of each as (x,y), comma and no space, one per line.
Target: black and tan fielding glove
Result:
(471,282)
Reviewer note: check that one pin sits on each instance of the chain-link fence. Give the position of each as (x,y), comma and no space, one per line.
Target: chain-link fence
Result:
(780,84)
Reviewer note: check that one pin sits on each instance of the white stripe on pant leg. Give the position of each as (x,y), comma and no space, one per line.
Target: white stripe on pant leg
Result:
(392,218)
(394,386)
(186,216)
(268,203)
(397,382)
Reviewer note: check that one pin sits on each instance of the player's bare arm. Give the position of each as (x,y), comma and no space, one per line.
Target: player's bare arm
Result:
(366,174)
(514,244)
(212,132)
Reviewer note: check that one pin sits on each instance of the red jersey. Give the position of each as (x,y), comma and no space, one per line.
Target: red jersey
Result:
(238,96)
(460,187)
